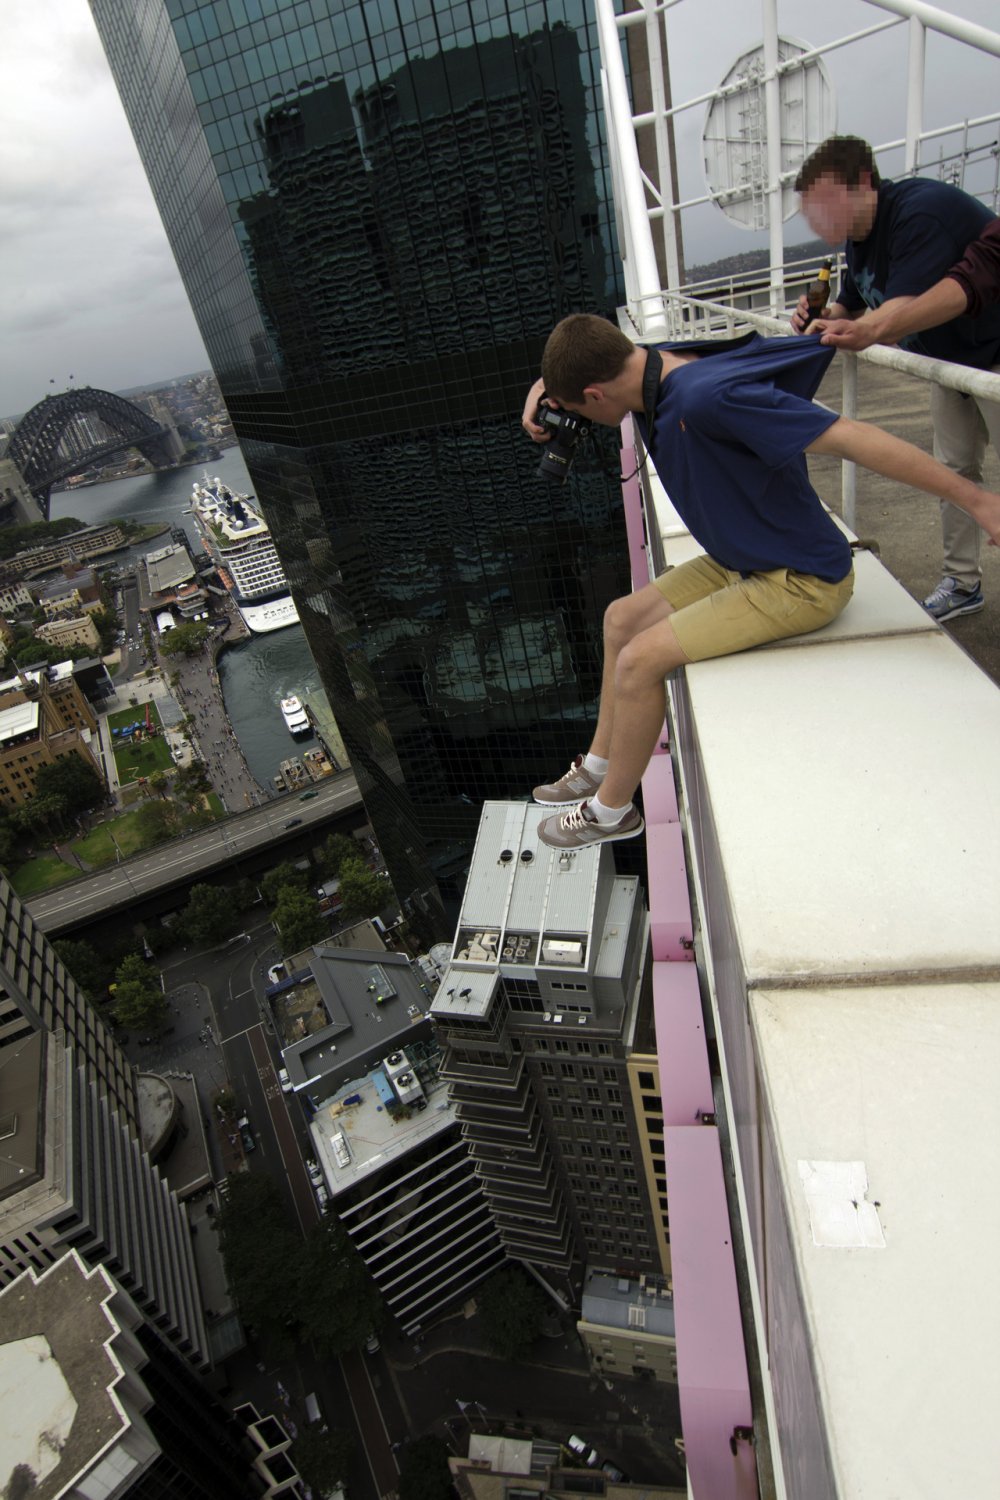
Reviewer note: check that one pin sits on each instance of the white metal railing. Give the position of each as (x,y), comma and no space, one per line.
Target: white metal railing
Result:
(644,200)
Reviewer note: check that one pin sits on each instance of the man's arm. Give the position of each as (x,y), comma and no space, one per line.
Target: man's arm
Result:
(894,320)
(970,286)
(896,459)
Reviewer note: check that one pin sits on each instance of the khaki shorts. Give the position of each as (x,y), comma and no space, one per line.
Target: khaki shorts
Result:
(718,611)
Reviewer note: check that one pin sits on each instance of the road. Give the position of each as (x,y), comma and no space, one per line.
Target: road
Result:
(196,854)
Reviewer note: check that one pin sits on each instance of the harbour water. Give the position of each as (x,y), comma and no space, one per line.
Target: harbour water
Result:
(255,674)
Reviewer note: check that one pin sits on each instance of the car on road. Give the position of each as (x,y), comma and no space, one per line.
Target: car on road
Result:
(246,1134)
(582,1450)
(372,1343)
(284,1080)
(293,822)
(275,973)
(612,1472)
(315,1174)
(306,795)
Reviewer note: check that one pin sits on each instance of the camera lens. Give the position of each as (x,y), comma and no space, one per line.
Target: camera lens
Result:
(567,429)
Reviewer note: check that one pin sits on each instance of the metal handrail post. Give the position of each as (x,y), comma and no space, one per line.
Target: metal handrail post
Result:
(643,273)
(914,93)
(661,131)
(772,109)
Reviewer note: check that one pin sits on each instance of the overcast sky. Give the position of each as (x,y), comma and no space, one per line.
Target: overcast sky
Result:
(90,289)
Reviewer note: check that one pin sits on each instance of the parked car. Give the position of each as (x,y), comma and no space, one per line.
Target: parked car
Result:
(315,1175)
(284,1080)
(613,1473)
(582,1450)
(276,974)
(246,1134)
(372,1343)
(306,795)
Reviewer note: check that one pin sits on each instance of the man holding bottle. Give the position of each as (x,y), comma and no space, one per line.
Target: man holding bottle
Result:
(901,238)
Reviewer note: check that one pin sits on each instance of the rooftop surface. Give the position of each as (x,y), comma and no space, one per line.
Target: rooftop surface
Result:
(354,1139)
(625,1303)
(347,1011)
(57,1374)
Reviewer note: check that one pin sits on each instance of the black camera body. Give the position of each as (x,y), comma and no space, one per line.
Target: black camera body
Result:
(565,429)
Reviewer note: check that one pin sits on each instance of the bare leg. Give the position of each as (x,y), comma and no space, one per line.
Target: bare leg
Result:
(639,702)
(624,620)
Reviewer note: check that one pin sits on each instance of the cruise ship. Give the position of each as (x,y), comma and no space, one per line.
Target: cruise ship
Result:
(238,540)
(295,717)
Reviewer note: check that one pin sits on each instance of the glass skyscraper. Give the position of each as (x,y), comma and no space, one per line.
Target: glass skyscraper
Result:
(379,211)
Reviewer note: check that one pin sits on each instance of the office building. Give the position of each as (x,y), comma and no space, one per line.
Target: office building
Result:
(379,215)
(539,1012)
(358,1042)
(73,1173)
(44,716)
(106,1409)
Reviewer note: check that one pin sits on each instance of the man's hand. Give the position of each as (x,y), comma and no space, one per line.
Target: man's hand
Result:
(850,333)
(536,433)
(800,314)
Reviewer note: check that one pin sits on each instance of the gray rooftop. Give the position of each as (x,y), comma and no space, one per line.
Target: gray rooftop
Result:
(167,567)
(332,1021)
(635,1306)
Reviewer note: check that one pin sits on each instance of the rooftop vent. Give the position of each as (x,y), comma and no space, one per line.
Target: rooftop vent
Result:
(506,855)
(526,856)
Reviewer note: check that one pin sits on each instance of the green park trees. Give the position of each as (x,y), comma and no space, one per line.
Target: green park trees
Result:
(424,1474)
(512,1308)
(184,640)
(299,921)
(138,1000)
(289,1289)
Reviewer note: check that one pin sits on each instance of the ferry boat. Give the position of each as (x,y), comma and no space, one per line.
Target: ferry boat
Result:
(239,541)
(295,717)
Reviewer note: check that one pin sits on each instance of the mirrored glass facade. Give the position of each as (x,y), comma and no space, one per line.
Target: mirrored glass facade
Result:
(380,210)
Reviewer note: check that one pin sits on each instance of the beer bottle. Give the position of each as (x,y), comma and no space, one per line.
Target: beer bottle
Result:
(818,293)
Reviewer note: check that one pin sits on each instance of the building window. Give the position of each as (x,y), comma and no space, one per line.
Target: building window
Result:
(647,1081)
(561,1046)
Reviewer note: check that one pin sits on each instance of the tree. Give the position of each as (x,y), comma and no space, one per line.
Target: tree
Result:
(11,842)
(335,1296)
(184,640)
(156,822)
(321,1457)
(211,913)
(260,1250)
(338,848)
(362,891)
(425,1474)
(512,1309)
(298,919)
(44,811)
(191,780)
(284,874)
(74,781)
(92,971)
(139,1002)
(159,782)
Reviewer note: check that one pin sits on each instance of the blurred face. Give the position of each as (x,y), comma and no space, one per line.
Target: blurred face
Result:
(836,212)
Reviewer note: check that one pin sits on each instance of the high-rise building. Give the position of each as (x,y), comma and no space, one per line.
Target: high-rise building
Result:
(105,1408)
(73,1173)
(360,1045)
(379,214)
(541,1011)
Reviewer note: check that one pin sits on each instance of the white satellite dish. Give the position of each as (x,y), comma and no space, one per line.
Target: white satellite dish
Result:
(735,136)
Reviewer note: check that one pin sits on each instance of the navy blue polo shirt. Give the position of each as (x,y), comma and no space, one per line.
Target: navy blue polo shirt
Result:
(728,436)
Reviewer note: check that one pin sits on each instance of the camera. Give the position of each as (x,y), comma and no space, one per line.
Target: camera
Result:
(565,430)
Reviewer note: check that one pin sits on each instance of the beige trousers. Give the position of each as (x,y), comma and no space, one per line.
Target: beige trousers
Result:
(963,425)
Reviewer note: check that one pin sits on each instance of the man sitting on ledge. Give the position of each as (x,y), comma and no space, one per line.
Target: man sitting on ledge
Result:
(727,425)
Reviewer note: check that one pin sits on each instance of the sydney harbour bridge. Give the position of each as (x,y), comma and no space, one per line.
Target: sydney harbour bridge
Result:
(34,446)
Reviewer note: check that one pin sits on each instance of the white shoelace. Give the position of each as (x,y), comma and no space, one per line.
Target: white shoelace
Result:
(574,821)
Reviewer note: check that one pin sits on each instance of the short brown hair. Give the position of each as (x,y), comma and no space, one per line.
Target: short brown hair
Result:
(845,157)
(582,350)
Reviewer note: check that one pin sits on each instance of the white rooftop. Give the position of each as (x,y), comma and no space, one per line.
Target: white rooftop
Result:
(352,1140)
